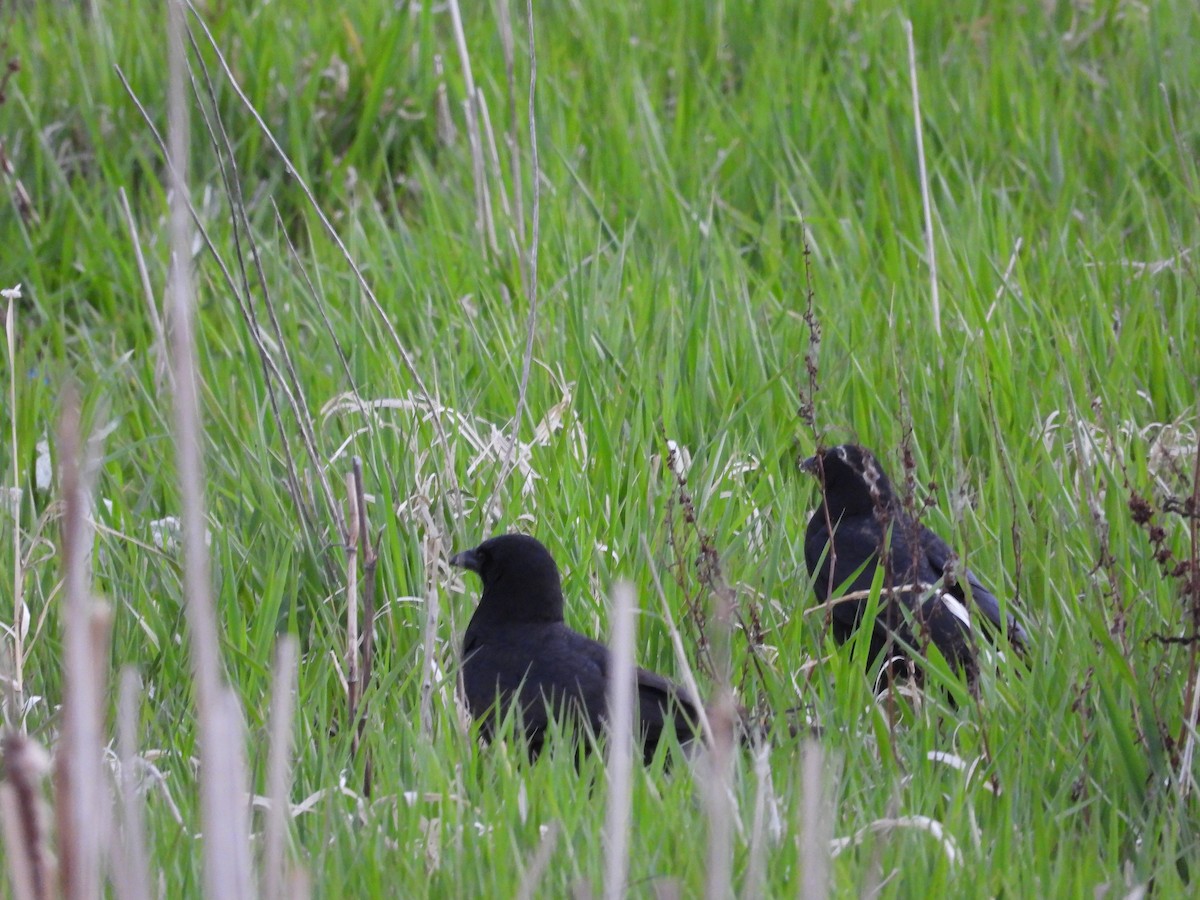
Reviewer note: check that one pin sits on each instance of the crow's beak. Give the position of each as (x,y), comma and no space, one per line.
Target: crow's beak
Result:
(468,559)
(810,465)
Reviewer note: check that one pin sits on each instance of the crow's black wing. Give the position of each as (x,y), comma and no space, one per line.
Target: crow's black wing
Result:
(939,555)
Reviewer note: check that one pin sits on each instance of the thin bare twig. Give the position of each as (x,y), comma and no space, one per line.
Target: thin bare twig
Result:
(816,823)
(865,594)
(681,661)
(540,862)
(132,869)
(78,772)
(531,269)
(370,560)
(405,356)
(764,798)
(1191,590)
(292,389)
(28,855)
(227,865)
(620,742)
(352,653)
(511,137)
(279,768)
(483,203)
(433,552)
(161,372)
(722,715)
(20,615)
(931,257)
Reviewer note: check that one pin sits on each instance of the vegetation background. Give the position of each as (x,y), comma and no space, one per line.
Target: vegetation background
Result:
(721,262)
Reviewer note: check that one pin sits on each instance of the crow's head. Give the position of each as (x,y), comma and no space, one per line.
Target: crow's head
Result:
(852,480)
(520,579)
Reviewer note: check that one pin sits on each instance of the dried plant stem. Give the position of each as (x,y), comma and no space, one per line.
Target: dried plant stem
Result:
(352,653)
(816,824)
(366,643)
(81,810)
(511,136)
(931,256)
(160,335)
(620,742)
(865,594)
(405,356)
(279,768)
(722,715)
(530,269)
(429,641)
(764,797)
(132,867)
(222,777)
(539,863)
(18,619)
(483,207)
(287,379)
(27,854)
(718,797)
(1191,591)
(681,660)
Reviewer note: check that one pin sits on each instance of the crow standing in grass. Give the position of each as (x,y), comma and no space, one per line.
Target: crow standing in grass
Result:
(868,524)
(518,648)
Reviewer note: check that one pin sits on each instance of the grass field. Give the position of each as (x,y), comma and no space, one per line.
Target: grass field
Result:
(724,252)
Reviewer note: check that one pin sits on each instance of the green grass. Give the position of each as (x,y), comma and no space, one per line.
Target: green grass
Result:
(685,152)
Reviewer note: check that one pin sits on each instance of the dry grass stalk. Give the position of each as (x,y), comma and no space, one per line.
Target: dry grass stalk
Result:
(21,199)
(384,317)
(433,552)
(131,865)
(161,372)
(366,644)
(22,810)
(81,808)
(286,379)
(866,594)
(685,668)
(718,796)
(224,810)
(483,202)
(764,801)
(279,768)
(620,742)
(816,823)
(353,686)
(539,862)
(529,269)
(20,615)
(924,177)
(722,715)
(511,134)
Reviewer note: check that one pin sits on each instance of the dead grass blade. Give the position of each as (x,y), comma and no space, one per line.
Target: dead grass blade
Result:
(81,806)
(620,742)
(131,864)
(224,808)
(279,769)
(28,854)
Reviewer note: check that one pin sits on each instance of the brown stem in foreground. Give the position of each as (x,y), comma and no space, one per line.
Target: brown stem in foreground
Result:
(370,560)
(353,686)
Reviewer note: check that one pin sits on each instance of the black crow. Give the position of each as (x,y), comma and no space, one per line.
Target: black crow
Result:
(518,650)
(868,525)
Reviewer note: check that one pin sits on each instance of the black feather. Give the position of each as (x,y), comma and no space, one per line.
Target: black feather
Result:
(868,524)
(518,650)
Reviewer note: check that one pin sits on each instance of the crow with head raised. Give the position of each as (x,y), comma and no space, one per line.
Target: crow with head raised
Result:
(519,651)
(925,597)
